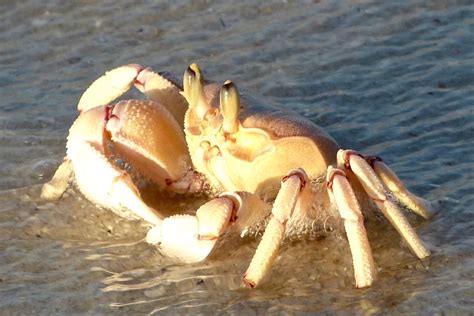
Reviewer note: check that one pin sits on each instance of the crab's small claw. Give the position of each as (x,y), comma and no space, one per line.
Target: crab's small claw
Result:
(214,217)
(177,239)
(109,87)
(188,238)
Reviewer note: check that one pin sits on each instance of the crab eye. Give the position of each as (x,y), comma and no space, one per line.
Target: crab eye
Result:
(188,81)
(230,106)
(193,83)
(197,71)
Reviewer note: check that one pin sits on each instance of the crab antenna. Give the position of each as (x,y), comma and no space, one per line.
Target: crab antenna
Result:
(230,106)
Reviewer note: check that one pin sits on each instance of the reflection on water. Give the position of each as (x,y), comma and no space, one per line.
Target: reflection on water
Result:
(393,79)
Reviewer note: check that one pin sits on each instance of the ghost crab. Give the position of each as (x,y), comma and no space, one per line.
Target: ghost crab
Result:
(247,151)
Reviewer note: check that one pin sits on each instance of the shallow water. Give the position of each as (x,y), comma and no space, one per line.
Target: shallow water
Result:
(395,79)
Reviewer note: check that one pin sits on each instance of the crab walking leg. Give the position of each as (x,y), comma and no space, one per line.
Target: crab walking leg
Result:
(190,238)
(266,253)
(341,192)
(109,87)
(376,191)
(282,210)
(54,188)
(392,182)
(393,213)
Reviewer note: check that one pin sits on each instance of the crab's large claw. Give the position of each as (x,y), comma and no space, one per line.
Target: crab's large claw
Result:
(146,135)
(377,192)
(160,87)
(102,91)
(110,86)
(96,176)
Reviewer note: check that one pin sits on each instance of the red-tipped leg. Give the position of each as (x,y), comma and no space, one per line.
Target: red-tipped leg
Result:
(190,238)
(418,205)
(342,194)
(376,191)
(290,192)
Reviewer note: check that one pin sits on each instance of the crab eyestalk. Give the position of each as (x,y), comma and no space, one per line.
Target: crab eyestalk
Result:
(193,82)
(230,106)
(188,79)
